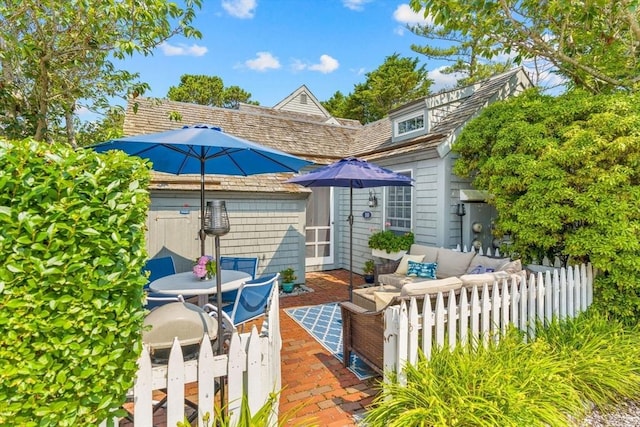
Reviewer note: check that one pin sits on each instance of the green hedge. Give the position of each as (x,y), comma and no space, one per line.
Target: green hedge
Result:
(72,245)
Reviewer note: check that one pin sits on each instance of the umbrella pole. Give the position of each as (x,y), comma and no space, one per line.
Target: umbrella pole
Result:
(219,304)
(351,242)
(202,234)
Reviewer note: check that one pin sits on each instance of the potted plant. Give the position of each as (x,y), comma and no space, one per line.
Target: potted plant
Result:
(288,277)
(388,244)
(369,266)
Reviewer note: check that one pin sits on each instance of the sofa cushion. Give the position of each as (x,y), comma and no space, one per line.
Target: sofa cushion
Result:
(425,270)
(397,280)
(512,267)
(364,297)
(469,280)
(487,264)
(404,262)
(383,298)
(453,263)
(431,286)
(430,253)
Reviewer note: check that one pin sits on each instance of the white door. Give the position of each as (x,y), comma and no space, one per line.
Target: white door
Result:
(319,237)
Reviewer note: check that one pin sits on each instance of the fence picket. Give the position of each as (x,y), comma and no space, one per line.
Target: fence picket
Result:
(390,348)
(518,301)
(452,320)
(427,327)
(175,385)
(206,380)
(485,313)
(475,315)
(463,317)
(413,332)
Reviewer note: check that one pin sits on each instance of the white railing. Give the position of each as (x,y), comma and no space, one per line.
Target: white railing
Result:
(251,367)
(479,314)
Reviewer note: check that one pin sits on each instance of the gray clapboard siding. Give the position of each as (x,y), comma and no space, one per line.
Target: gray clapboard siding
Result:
(271,229)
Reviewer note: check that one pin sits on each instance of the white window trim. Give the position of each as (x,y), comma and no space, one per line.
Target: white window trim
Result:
(411,188)
(407,117)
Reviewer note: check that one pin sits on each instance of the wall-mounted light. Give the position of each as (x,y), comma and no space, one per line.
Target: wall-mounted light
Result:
(373,200)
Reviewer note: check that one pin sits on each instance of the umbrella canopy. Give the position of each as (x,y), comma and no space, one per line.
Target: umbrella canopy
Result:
(205,149)
(353,173)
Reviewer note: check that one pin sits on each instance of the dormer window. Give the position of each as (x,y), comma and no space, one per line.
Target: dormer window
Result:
(405,125)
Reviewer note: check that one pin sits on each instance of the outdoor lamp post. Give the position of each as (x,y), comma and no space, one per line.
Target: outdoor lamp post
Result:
(216,220)
(216,223)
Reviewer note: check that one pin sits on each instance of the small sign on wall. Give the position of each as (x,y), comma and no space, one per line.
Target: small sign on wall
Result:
(366,215)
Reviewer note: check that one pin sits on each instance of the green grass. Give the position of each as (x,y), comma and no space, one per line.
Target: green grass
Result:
(549,381)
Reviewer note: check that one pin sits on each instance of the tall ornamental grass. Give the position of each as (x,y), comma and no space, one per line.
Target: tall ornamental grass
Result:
(549,381)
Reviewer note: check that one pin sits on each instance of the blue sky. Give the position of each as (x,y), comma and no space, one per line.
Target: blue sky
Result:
(271,47)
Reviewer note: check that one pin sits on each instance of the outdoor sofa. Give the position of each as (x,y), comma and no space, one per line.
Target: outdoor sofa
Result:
(451,270)
(363,318)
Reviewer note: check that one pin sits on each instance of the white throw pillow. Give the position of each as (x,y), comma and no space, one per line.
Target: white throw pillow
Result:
(404,263)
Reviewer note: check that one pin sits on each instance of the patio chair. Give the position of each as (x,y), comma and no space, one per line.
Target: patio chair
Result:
(251,302)
(157,268)
(247,264)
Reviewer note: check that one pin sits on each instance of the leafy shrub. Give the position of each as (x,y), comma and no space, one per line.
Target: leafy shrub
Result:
(70,283)
(563,175)
(389,241)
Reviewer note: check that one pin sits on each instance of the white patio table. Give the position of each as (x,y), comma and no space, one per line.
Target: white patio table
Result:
(188,284)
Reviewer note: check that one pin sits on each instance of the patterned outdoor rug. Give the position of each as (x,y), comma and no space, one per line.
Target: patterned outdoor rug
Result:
(324,323)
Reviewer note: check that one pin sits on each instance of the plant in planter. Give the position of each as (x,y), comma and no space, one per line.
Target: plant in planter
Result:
(390,242)
(369,266)
(288,277)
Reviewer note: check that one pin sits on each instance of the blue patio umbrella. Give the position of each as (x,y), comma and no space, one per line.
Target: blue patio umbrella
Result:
(204,149)
(353,173)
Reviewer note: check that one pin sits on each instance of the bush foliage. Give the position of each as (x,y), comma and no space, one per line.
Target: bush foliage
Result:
(564,175)
(73,244)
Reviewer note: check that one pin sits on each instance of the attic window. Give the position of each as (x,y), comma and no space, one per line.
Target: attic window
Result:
(410,124)
(303,98)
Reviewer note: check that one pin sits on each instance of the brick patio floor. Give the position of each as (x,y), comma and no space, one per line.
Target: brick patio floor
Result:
(326,393)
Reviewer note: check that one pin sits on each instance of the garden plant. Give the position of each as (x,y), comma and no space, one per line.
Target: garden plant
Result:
(71,287)
(550,380)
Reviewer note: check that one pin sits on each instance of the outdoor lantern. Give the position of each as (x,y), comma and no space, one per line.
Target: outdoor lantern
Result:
(373,200)
(216,220)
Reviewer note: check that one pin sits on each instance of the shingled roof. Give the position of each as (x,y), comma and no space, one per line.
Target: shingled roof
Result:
(307,135)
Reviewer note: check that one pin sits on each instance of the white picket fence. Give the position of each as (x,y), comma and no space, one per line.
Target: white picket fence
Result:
(251,367)
(483,313)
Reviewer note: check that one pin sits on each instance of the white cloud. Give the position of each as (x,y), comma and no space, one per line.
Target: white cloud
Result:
(182,50)
(355,4)
(443,81)
(263,62)
(327,65)
(298,65)
(243,9)
(405,15)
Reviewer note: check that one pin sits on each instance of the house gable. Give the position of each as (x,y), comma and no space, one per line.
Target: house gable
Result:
(303,101)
